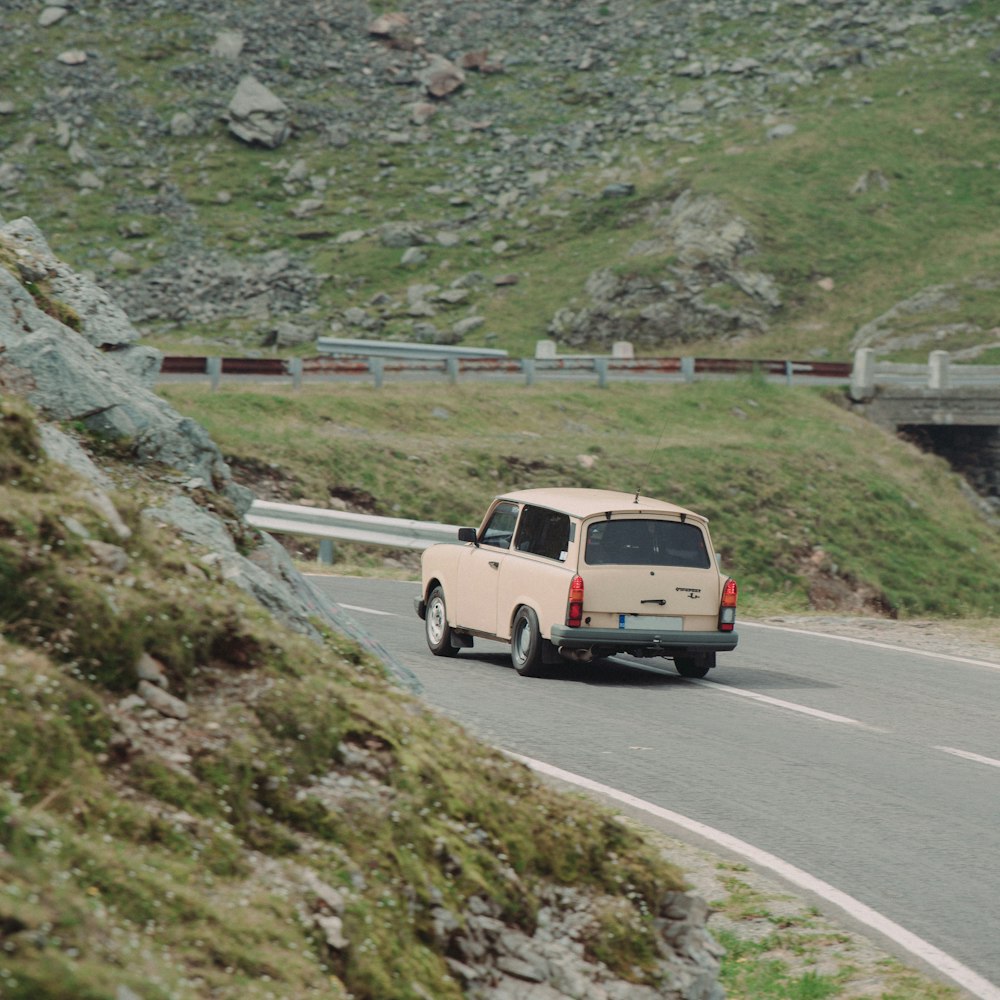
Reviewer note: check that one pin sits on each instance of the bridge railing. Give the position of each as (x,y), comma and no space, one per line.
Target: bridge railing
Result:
(938,374)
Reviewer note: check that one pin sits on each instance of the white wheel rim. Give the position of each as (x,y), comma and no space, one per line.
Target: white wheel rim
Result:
(435,621)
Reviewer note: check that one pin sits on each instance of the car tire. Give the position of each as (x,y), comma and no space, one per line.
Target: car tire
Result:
(694,666)
(526,644)
(436,626)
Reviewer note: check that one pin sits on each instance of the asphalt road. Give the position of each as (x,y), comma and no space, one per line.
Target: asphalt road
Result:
(875,770)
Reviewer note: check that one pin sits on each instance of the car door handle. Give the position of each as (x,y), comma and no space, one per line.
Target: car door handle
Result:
(494,564)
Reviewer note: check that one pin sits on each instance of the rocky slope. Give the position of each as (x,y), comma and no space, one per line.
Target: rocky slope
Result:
(214,162)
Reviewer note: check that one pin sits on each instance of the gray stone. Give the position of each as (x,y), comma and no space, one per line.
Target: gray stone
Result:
(782,131)
(182,125)
(148,668)
(257,116)
(60,447)
(401,235)
(112,557)
(441,77)
(228,45)
(51,15)
(162,701)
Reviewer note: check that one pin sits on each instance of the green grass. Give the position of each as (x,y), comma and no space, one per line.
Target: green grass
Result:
(182,859)
(801,493)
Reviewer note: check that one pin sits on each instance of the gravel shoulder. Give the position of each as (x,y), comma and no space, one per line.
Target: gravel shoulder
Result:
(972,639)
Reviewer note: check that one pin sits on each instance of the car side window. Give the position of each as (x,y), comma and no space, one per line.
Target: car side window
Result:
(543,532)
(499,529)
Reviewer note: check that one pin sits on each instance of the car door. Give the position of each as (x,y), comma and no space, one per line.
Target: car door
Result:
(480,569)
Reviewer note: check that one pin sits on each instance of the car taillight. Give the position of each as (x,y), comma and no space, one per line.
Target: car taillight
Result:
(574,607)
(727,609)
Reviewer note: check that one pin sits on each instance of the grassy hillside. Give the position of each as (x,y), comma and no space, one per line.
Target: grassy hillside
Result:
(811,506)
(195,858)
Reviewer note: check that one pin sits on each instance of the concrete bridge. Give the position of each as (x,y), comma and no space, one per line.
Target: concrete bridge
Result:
(952,410)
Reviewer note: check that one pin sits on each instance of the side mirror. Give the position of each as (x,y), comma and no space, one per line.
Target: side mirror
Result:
(467,535)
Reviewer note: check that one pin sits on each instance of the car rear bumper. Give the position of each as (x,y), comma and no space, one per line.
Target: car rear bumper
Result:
(650,641)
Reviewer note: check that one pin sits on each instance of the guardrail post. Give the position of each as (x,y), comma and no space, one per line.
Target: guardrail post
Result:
(377,367)
(601,367)
(788,373)
(451,367)
(939,370)
(528,367)
(326,551)
(295,370)
(213,366)
(687,369)
(862,385)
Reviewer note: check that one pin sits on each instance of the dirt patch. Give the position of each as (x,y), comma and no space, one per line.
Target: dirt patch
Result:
(264,480)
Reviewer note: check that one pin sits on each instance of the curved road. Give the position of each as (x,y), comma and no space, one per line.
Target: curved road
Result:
(876,770)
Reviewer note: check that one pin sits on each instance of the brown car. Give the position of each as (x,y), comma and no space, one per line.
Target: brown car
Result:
(574,574)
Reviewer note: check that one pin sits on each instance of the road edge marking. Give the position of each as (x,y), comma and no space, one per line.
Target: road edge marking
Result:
(969,755)
(909,942)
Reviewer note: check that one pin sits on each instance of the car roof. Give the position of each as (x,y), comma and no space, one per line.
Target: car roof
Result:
(581,502)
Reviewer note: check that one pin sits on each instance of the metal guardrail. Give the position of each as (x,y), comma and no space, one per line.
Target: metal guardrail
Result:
(318,522)
(344,347)
(568,366)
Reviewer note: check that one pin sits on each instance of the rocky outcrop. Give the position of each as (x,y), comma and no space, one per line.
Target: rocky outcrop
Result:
(670,290)
(67,377)
(88,379)
(496,962)
(926,318)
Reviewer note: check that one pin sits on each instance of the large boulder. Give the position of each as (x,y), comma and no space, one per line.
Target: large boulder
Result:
(257,116)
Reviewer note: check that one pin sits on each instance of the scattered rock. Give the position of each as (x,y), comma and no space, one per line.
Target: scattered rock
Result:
(257,116)
(162,701)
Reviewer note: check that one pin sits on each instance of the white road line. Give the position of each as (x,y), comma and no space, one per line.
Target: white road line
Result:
(968,755)
(791,706)
(876,645)
(368,611)
(909,942)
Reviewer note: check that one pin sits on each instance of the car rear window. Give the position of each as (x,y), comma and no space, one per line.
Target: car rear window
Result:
(646,542)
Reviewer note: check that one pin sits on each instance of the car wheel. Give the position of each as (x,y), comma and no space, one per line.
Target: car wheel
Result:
(526,644)
(436,626)
(694,666)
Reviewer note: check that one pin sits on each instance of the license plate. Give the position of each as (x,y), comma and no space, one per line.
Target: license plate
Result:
(647,622)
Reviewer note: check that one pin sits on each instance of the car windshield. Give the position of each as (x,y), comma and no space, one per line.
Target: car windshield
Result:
(646,542)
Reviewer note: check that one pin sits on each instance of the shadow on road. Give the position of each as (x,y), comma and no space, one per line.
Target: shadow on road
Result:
(601,673)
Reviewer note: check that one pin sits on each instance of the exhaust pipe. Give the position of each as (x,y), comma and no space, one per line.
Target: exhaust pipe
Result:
(576,655)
